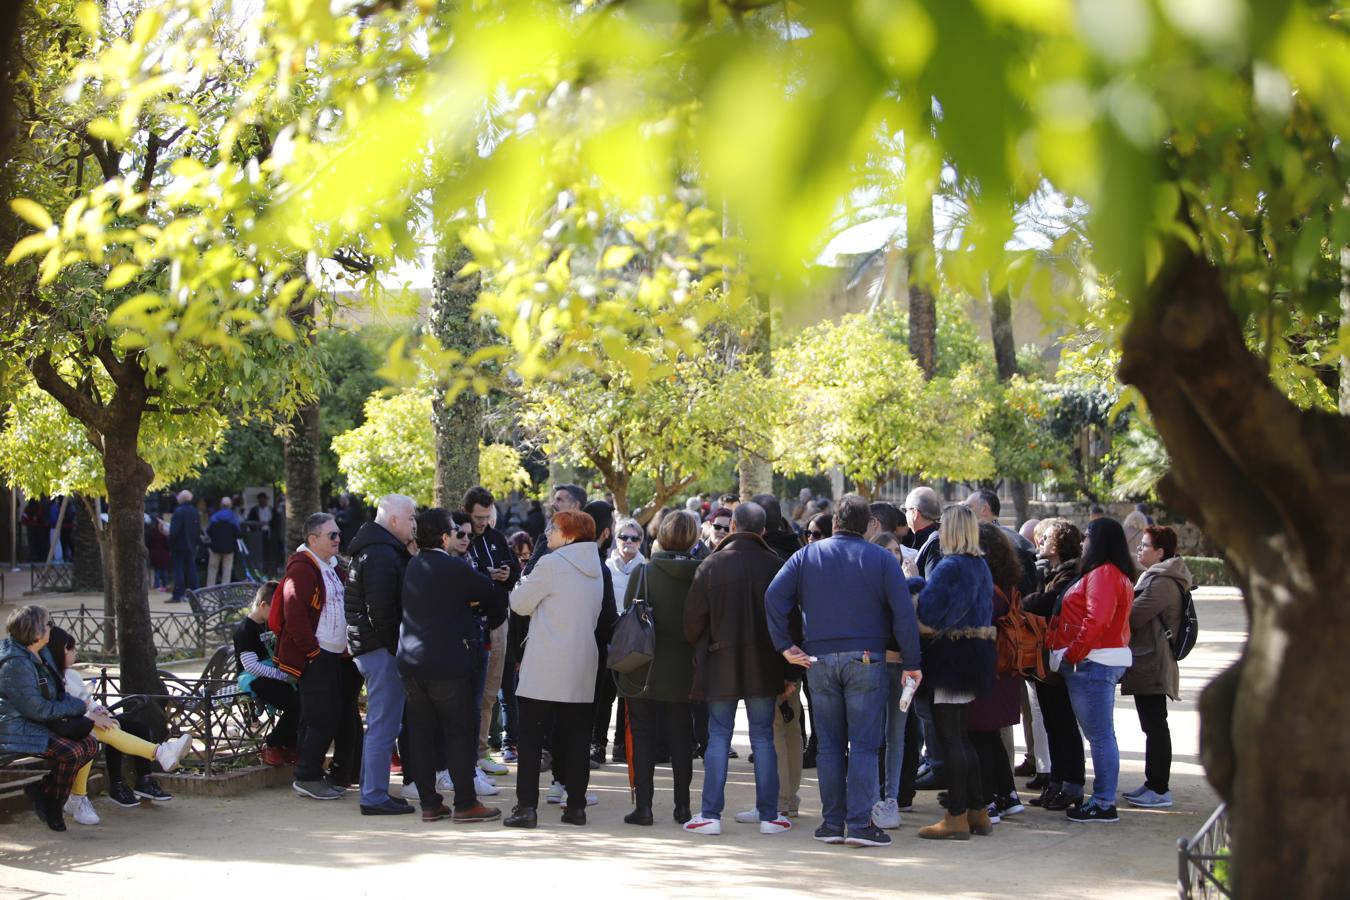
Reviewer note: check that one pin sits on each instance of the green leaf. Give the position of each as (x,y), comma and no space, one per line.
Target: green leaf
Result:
(31,212)
(617,257)
(121,276)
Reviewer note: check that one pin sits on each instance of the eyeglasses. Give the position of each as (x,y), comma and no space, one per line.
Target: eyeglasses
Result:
(630,539)
(333,535)
(463,535)
(814,535)
(722,529)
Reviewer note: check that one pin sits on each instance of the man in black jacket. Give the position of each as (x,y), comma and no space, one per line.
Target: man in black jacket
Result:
(492,557)
(185,536)
(439,653)
(374,608)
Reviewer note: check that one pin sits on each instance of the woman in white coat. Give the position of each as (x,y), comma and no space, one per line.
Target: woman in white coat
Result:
(555,695)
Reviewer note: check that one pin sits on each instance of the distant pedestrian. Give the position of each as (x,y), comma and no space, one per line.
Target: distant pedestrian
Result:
(223,531)
(185,537)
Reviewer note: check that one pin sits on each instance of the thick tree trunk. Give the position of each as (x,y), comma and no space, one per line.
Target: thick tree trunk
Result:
(458,422)
(301,448)
(1021,502)
(1345,324)
(1275,728)
(1005,362)
(756,475)
(128,477)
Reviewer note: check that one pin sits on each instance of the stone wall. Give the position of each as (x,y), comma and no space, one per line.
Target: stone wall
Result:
(1191,541)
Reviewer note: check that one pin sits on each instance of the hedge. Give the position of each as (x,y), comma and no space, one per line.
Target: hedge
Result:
(1210,570)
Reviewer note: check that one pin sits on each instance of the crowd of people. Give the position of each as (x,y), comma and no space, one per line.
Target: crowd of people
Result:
(469,643)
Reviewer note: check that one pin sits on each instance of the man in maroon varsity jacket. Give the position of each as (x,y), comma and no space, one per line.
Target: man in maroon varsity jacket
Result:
(311,628)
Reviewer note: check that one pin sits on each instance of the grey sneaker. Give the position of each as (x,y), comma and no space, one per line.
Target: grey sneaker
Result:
(886,814)
(1149,799)
(316,790)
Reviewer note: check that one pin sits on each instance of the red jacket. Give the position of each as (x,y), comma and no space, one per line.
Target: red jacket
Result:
(1095,614)
(295,613)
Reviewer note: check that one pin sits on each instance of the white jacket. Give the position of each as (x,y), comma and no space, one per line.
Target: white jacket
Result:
(562,597)
(619,574)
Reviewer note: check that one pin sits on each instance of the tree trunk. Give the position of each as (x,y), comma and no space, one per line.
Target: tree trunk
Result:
(128,478)
(756,475)
(1275,728)
(301,448)
(1005,362)
(1021,503)
(88,572)
(458,422)
(920,265)
(1345,324)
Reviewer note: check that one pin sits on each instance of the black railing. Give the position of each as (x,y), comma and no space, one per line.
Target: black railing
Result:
(176,635)
(1204,862)
(52,577)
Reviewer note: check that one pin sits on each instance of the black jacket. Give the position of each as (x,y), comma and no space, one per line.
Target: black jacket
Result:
(784,543)
(930,552)
(486,551)
(443,598)
(374,589)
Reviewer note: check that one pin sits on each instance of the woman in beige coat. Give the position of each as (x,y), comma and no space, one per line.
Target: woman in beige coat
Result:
(1153,676)
(563,597)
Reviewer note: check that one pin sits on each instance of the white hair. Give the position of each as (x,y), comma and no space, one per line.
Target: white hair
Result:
(392,505)
(185,496)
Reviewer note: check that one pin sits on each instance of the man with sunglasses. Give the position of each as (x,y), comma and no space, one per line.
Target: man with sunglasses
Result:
(374,612)
(491,555)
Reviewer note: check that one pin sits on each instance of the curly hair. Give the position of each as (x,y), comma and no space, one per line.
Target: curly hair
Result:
(999,554)
(1063,539)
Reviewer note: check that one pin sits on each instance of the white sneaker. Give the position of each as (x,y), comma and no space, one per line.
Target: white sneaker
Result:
(700,825)
(556,793)
(484,787)
(886,814)
(81,810)
(591,798)
(491,767)
(444,784)
(480,775)
(776,826)
(748,817)
(169,753)
(994,817)
(410,792)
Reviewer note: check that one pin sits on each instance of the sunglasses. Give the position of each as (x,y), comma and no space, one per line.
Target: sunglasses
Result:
(814,535)
(333,535)
(630,539)
(722,529)
(463,535)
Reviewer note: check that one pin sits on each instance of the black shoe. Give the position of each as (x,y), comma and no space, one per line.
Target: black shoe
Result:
(752,757)
(1047,792)
(574,817)
(619,755)
(1026,767)
(683,814)
(867,836)
(828,834)
(522,817)
(598,755)
(1040,782)
(147,788)
(1061,802)
(55,820)
(390,807)
(1090,812)
(640,816)
(809,758)
(122,795)
(732,754)
(931,781)
(38,797)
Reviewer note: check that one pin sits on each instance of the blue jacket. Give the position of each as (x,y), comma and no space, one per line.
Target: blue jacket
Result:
(185,530)
(31,694)
(852,595)
(957,602)
(223,530)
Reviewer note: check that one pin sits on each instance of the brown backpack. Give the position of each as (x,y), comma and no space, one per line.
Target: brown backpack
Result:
(1021,639)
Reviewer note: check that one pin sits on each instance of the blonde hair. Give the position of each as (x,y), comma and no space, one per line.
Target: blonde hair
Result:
(959,533)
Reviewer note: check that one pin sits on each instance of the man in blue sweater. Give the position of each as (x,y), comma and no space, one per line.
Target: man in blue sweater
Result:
(853,597)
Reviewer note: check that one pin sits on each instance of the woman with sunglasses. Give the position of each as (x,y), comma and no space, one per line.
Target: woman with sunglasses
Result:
(819,527)
(626,556)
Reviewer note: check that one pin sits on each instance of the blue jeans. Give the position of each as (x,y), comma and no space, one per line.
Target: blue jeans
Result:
(849,697)
(1092,691)
(385,698)
(895,731)
(184,573)
(721,722)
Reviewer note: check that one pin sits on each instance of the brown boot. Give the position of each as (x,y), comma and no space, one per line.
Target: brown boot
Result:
(951,828)
(979,822)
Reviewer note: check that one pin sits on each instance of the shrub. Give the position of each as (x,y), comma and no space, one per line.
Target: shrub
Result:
(1209,570)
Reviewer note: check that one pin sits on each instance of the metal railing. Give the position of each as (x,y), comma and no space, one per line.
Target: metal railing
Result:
(52,577)
(180,635)
(1204,861)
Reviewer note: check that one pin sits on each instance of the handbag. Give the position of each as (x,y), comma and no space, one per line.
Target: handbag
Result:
(633,644)
(74,728)
(1021,639)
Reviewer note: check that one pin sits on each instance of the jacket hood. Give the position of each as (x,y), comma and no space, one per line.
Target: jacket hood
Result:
(680,566)
(10,650)
(617,562)
(1175,569)
(584,556)
(784,543)
(372,533)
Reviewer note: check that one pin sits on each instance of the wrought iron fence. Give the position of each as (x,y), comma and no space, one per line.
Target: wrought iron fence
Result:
(52,576)
(176,635)
(228,727)
(1203,861)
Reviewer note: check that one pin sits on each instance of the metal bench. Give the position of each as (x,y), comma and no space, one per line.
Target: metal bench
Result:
(221,606)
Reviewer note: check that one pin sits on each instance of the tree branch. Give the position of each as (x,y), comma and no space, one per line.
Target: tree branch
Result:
(78,404)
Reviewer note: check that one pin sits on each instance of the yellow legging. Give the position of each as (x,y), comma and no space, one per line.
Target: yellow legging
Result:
(114,737)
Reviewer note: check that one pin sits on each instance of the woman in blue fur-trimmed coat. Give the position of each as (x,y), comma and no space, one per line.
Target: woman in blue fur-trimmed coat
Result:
(955,608)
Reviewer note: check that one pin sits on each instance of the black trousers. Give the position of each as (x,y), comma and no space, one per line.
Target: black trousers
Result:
(700,714)
(909,768)
(329,687)
(605,695)
(115,757)
(1061,729)
(509,678)
(569,724)
(653,720)
(962,764)
(442,713)
(1152,710)
(284,699)
(996,774)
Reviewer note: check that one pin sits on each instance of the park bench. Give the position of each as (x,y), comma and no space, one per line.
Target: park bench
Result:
(221,606)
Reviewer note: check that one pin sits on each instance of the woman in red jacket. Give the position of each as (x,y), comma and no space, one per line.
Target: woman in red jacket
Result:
(1090,646)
